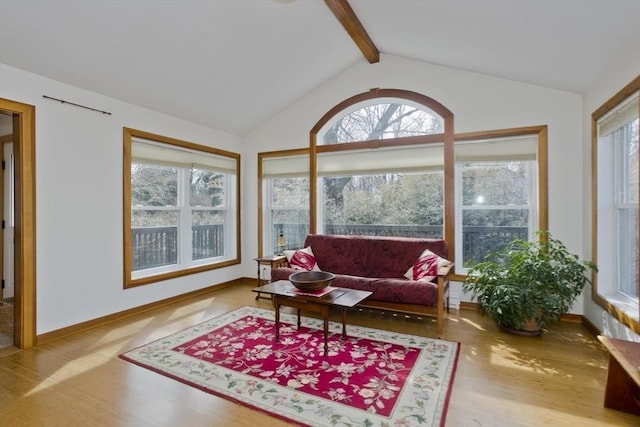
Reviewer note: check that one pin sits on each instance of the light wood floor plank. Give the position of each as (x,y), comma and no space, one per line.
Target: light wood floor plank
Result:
(502,380)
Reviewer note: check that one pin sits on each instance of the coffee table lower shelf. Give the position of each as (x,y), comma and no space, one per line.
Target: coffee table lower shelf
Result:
(283,293)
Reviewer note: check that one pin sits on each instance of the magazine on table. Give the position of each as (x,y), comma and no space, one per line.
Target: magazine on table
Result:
(317,293)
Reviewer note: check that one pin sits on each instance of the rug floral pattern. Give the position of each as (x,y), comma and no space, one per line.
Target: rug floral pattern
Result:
(370,378)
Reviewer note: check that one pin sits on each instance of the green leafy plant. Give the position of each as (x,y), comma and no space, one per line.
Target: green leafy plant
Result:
(526,282)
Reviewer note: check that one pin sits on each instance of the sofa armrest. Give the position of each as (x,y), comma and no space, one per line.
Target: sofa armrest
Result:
(445,270)
(443,291)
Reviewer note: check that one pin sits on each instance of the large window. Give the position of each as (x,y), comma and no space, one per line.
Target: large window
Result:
(284,191)
(497,184)
(180,208)
(395,191)
(616,192)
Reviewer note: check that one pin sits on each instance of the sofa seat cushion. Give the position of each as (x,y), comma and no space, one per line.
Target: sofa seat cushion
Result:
(386,289)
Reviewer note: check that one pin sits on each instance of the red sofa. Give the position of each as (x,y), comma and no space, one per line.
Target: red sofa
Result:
(378,264)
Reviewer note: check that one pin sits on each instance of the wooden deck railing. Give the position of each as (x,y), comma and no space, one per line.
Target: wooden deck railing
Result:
(158,246)
(476,241)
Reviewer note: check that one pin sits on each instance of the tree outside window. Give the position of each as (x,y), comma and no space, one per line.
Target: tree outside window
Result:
(398,204)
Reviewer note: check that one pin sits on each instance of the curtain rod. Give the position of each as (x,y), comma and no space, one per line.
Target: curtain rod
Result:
(62,101)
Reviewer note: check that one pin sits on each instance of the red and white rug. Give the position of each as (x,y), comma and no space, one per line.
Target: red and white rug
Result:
(371,378)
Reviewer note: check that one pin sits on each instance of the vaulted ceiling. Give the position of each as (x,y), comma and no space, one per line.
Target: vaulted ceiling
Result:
(233,64)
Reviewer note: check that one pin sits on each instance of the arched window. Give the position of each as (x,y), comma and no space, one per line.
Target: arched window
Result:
(378,162)
(381,118)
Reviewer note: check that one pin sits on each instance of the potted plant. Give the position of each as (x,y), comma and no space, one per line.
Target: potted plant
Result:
(528,285)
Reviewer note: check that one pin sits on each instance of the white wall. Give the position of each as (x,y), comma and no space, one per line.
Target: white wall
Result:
(478,102)
(621,71)
(79,171)
(79,200)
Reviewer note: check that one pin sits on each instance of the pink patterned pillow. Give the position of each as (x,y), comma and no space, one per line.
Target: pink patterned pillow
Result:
(302,259)
(426,267)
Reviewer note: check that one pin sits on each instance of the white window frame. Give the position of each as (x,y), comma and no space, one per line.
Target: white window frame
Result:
(611,200)
(531,207)
(270,236)
(274,165)
(185,222)
(518,144)
(622,205)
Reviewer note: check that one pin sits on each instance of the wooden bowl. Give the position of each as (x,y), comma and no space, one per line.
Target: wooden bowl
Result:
(311,280)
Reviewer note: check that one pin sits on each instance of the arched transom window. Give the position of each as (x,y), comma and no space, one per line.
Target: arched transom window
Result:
(381,119)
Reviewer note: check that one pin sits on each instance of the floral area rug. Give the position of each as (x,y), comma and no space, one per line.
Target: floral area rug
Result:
(370,378)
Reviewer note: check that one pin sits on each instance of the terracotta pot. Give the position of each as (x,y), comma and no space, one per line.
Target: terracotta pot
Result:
(530,328)
(531,325)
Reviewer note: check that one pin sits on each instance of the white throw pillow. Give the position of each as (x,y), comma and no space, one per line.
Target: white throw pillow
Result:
(426,267)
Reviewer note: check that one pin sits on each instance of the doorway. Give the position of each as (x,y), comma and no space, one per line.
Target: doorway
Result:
(7,291)
(22,138)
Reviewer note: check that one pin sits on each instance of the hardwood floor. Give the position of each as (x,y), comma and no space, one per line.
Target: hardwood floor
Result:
(502,380)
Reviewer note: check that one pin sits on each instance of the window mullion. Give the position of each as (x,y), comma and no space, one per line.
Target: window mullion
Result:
(459,226)
(229,209)
(268,213)
(184,203)
(533,199)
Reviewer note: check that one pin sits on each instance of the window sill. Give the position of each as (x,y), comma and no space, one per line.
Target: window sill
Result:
(626,305)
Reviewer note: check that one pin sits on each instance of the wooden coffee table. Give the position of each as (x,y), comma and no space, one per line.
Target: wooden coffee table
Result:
(283,293)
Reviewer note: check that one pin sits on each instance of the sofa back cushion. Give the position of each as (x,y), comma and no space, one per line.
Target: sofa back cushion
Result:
(370,256)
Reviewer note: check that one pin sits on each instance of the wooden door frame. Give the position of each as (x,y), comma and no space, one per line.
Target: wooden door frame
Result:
(4,139)
(25,221)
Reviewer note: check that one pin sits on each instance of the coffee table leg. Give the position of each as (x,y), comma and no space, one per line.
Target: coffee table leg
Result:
(325,328)
(326,333)
(298,318)
(344,323)
(276,305)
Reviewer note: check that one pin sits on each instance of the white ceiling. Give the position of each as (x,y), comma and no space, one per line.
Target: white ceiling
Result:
(233,64)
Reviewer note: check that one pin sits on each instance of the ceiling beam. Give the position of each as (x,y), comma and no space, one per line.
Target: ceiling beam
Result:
(347,17)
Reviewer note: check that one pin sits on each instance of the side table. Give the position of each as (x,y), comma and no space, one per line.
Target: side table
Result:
(273,261)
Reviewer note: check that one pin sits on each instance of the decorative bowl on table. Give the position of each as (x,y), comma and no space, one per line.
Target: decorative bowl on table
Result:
(311,280)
